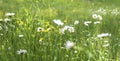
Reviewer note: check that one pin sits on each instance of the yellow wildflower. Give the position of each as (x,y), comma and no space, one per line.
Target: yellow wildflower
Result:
(47,30)
(47,23)
(65,21)
(20,22)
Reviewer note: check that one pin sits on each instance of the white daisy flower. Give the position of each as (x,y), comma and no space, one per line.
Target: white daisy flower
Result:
(7,19)
(69,44)
(100,17)
(102,11)
(94,16)
(63,30)
(106,41)
(9,14)
(39,29)
(58,22)
(106,45)
(115,12)
(1,19)
(69,28)
(97,22)
(103,35)
(21,51)
(75,51)
(87,23)
(76,22)
(20,35)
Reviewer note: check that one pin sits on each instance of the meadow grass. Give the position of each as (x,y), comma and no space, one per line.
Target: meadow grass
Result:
(32,35)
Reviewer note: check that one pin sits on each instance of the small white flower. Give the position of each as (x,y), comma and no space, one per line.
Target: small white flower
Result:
(106,41)
(100,17)
(115,12)
(69,44)
(21,51)
(102,11)
(21,36)
(1,34)
(103,35)
(106,45)
(9,48)
(1,19)
(97,22)
(76,22)
(58,22)
(9,14)
(75,51)
(63,30)
(69,28)
(0,27)
(7,19)
(87,23)
(40,40)
(39,29)
(67,55)
(94,16)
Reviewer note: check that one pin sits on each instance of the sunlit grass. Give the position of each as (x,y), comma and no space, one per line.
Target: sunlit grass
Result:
(59,30)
